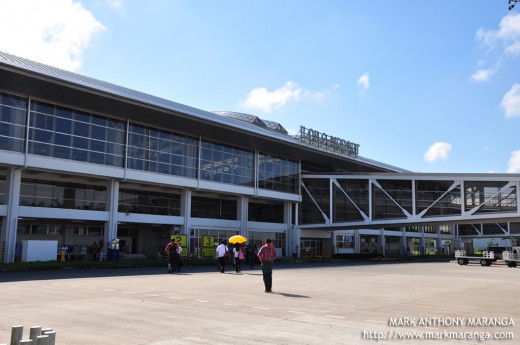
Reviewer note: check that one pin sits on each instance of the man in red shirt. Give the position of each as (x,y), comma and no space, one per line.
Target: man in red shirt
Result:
(173,256)
(267,254)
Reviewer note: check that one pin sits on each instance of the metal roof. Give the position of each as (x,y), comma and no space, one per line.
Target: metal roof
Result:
(40,81)
(255,120)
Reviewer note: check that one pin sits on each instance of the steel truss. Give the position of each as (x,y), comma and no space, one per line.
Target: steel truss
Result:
(479,204)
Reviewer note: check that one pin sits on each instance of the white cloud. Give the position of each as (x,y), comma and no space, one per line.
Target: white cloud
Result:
(364,83)
(508,34)
(504,41)
(482,74)
(511,102)
(514,163)
(115,4)
(54,32)
(437,151)
(263,99)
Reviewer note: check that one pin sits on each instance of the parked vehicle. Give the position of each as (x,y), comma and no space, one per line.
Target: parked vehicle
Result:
(511,257)
(486,259)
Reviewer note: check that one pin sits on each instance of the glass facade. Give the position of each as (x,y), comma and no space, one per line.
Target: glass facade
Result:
(315,201)
(226,164)
(390,200)
(345,241)
(42,193)
(65,133)
(351,195)
(489,197)
(271,212)
(3,186)
(216,208)
(12,122)
(437,198)
(161,152)
(133,201)
(278,174)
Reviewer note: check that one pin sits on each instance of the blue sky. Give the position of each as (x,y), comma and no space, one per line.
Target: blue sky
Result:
(429,86)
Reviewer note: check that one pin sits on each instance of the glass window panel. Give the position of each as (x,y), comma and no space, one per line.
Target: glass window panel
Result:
(62,139)
(80,143)
(82,117)
(64,126)
(98,133)
(96,145)
(81,129)
(80,155)
(98,158)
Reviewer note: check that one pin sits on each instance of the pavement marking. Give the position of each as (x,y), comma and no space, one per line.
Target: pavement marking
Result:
(335,316)
(172,297)
(152,295)
(201,301)
(263,308)
(111,290)
(295,312)
(231,304)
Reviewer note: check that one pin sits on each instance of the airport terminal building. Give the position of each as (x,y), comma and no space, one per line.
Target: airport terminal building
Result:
(83,161)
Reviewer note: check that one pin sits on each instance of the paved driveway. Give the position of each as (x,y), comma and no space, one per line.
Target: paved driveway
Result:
(336,303)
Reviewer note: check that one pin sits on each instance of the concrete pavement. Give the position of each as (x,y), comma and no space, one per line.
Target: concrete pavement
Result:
(328,303)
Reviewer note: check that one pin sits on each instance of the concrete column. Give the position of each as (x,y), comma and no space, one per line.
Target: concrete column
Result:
(287,220)
(296,230)
(243,211)
(10,223)
(186,213)
(357,242)
(382,241)
(404,243)
(112,208)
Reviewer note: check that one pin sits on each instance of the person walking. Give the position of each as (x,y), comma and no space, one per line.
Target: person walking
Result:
(251,255)
(221,252)
(173,256)
(267,254)
(236,256)
(179,261)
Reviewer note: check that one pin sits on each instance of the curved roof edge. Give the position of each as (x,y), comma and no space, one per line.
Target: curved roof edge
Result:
(58,74)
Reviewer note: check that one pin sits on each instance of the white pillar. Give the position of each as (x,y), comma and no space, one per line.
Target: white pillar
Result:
(383,242)
(112,208)
(186,213)
(296,230)
(404,243)
(243,211)
(10,223)
(287,220)
(357,242)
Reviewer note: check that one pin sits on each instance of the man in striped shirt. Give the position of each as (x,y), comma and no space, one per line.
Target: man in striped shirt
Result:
(267,254)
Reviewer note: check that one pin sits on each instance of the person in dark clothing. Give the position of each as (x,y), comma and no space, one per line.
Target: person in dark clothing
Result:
(267,254)
(173,256)
(251,255)
(236,256)
(221,256)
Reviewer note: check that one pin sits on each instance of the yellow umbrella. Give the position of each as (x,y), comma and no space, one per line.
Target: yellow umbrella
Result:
(237,239)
